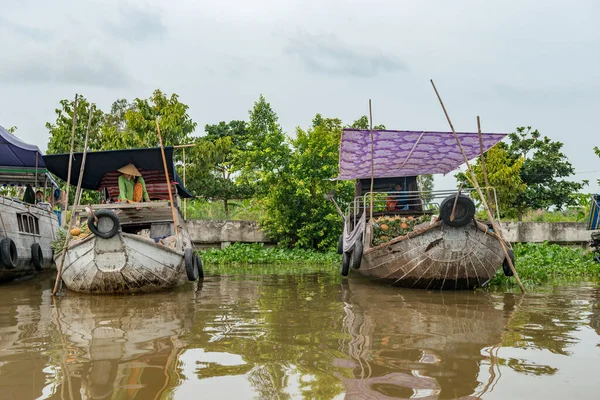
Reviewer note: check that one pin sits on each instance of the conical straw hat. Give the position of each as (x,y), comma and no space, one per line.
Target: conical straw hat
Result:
(130,169)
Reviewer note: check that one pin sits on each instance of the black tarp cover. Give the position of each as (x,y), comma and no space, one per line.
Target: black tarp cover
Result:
(99,163)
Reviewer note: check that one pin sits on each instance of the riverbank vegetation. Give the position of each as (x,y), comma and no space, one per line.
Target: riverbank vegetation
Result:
(541,263)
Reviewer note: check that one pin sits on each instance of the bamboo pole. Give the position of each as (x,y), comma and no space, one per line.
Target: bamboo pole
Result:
(476,184)
(164,158)
(75,204)
(70,157)
(483,166)
(372,170)
(184,200)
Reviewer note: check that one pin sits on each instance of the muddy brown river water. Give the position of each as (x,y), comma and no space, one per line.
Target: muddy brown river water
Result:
(314,336)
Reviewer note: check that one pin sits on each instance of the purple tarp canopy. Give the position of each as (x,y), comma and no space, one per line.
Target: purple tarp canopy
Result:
(407,153)
(15,153)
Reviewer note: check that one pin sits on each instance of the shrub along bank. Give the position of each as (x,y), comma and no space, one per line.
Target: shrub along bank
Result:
(540,263)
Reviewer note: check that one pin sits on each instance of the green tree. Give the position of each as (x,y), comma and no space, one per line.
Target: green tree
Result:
(60,130)
(296,212)
(363,123)
(544,170)
(426,184)
(217,164)
(504,175)
(266,153)
(176,125)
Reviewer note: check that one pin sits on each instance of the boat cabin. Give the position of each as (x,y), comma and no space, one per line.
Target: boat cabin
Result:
(152,219)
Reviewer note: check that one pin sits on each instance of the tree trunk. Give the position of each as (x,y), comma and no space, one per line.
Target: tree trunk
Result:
(226,206)
(519,214)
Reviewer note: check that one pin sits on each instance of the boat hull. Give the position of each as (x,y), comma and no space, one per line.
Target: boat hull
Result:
(42,232)
(125,263)
(441,257)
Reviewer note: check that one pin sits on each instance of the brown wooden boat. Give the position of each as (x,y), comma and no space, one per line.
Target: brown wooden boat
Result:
(398,232)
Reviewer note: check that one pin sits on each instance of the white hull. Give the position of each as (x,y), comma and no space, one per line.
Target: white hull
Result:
(125,263)
(42,232)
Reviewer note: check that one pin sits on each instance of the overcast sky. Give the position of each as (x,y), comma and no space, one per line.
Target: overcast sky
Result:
(514,63)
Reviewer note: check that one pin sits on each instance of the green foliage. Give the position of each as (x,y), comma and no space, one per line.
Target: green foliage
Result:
(175,123)
(504,175)
(126,126)
(363,123)
(216,164)
(266,153)
(296,212)
(541,263)
(243,254)
(426,185)
(247,209)
(528,173)
(543,171)
(60,130)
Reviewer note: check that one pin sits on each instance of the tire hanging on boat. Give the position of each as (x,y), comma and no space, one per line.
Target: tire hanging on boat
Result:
(506,266)
(198,261)
(8,253)
(108,224)
(340,248)
(345,264)
(190,265)
(463,213)
(357,253)
(37,256)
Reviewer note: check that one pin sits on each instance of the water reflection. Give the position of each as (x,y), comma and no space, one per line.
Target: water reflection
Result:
(306,336)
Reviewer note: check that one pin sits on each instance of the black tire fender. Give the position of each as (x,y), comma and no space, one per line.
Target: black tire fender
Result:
(8,253)
(506,266)
(357,253)
(37,256)
(190,265)
(340,248)
(107,215)
(345,264)
(463,214)
(199,268)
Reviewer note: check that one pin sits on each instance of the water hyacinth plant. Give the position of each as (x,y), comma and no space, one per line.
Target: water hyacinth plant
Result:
(540,263)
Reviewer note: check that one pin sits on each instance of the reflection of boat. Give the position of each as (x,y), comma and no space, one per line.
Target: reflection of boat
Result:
(430,344)
(396,230)
(26,230)
(123,346)
(138,247)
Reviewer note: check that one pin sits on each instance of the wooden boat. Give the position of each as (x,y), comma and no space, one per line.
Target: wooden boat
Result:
(133,247)
(26,230)
(436,242)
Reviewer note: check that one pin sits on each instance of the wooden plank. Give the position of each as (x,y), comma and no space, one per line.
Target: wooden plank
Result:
(119,206)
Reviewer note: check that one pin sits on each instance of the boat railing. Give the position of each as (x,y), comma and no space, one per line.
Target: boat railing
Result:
(408,203)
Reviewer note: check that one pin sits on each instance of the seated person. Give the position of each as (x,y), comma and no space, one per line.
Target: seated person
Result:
(132,187)
(396,200)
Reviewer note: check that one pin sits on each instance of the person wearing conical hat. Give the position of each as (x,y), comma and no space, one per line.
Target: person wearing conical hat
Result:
(132,187)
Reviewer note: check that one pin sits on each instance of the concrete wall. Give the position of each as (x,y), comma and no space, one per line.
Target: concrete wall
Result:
(553,232)
(205,233)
